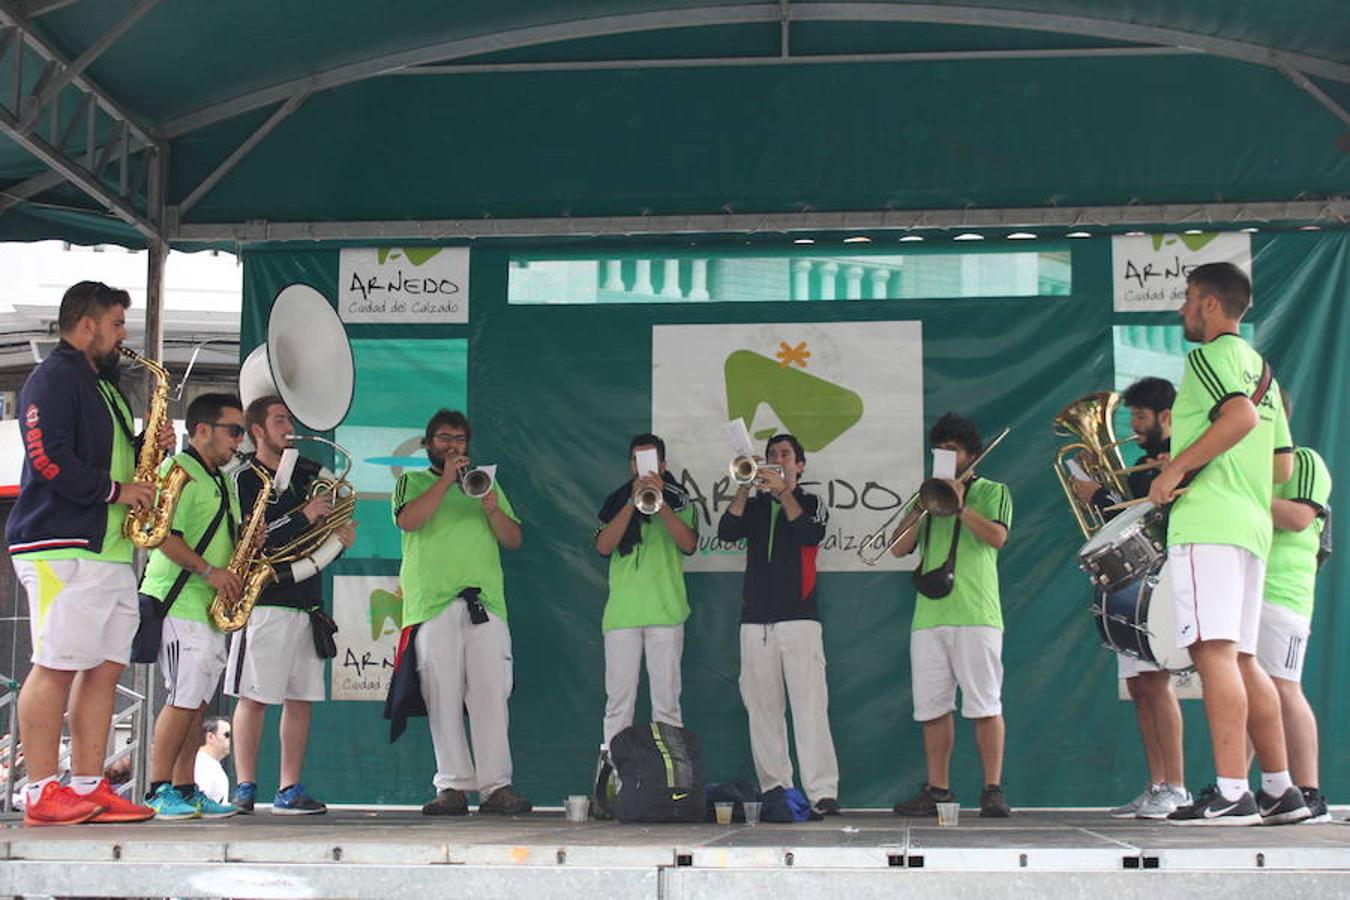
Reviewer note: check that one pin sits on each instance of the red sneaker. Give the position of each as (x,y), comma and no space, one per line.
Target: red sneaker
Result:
(59,805)
(115,808)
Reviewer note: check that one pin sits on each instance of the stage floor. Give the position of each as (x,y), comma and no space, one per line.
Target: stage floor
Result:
(388,853)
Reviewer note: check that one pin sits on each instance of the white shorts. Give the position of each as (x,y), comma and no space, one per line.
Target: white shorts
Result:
(191,656)
(1128,666)
(272,658)
(950,655)
(1216,592)
(81,612)
(1283,642)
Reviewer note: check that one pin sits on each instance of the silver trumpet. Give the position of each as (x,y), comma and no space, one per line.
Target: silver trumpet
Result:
(648,501)
(475,483)
(747,469)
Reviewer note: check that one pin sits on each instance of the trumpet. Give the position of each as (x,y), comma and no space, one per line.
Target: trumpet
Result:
(648,501)
(475,483)
(747,469)
(935,497)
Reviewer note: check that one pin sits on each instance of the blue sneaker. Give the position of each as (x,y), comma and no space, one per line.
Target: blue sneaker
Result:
(293,801)
(245,794)
(210,809)
(169,804)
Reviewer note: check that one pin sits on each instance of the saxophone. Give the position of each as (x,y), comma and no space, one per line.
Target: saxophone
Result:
(149,527)
(247,562)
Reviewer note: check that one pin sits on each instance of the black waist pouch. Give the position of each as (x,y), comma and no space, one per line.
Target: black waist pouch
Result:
(937,583)
(323,627)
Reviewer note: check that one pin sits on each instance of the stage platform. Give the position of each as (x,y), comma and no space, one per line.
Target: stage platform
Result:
(861,854)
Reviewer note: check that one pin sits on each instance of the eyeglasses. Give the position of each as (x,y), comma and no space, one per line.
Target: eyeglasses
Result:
(450,438)
(231,427)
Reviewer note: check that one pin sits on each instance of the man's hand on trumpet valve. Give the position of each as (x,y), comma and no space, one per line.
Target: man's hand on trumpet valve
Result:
(772,481)
(318,508)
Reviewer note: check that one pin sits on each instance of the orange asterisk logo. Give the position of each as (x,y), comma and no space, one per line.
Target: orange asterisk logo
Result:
(788,355)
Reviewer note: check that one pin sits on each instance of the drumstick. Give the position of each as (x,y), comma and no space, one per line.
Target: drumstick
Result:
(1126,504)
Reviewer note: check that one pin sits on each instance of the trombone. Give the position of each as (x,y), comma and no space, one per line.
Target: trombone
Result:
(934,497)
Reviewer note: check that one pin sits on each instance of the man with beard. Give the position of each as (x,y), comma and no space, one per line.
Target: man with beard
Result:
(454,616)
(1157,711)
(65,538)
(272,659)
(1231,437)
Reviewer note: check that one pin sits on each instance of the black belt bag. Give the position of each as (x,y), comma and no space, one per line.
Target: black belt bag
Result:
(150,631)
(323,628)
(937,583)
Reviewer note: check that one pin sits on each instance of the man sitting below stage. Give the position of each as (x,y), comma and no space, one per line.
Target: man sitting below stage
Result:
(1155,702)
(957,635)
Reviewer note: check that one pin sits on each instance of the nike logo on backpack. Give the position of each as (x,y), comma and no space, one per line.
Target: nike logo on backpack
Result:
(679,796)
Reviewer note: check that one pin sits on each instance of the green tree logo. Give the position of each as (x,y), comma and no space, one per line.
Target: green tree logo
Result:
(415,255)
(1193,242)
(815,410)
(386,607)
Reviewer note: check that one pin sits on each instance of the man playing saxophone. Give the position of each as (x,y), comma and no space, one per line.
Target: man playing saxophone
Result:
(182,578)
(65,538)
(273,660)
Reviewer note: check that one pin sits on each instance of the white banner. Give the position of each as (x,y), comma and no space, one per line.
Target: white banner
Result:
(1149,272)
(369,613)
(387,285)
(851,392)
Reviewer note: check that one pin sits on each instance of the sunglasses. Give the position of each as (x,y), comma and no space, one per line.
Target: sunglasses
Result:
(232,428)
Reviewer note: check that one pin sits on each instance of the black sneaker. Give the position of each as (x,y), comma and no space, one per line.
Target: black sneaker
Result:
(924,803)
(826,806)
(505,802)
(993,805)
(1211,808)
(1317,806)
(1287,808)
(296,801)
(448,802)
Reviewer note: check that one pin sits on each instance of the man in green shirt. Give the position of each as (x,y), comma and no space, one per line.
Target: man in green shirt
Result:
(647,604)
(1299,511)
(1231,437)
(957,636)
(453,594)
(185,573)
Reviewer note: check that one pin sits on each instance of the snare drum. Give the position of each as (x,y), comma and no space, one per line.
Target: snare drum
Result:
(1126,548)
(1137,619)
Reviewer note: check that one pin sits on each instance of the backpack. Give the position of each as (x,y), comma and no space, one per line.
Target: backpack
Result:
(660,773)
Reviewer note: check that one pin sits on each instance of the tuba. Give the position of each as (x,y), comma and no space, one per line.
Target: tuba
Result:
(1089,419)
(149,527)
(231,616)
(307,361)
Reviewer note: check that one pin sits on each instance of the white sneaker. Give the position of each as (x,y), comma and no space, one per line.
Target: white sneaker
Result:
(1163,801)
(1129,810)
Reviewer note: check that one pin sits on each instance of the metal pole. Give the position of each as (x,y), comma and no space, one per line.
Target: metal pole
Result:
(154,300)
(12,688)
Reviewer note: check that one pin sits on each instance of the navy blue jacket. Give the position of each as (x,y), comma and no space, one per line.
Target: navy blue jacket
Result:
(66,484)
(780,574)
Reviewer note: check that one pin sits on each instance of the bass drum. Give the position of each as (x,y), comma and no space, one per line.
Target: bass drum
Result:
(1137,619)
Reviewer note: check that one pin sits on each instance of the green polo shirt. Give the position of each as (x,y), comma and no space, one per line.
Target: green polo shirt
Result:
(117,547)
(1228,501)
(1291,569)
(974,599)
(646,585)
(454,549)
(197,506)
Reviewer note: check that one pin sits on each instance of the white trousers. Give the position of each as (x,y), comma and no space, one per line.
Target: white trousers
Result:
(792,655)
(459,665)
(624,649)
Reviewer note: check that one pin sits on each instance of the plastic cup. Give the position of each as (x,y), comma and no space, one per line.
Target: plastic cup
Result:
(948,814)
(723,811)
(751,812)
(577,807)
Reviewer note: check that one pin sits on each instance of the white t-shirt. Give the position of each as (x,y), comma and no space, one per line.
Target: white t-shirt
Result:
(210,777)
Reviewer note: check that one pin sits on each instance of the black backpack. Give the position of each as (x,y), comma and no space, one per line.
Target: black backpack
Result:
(660,772)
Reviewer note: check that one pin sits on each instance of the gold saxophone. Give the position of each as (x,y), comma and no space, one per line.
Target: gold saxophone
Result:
(149,527)
(247,563)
